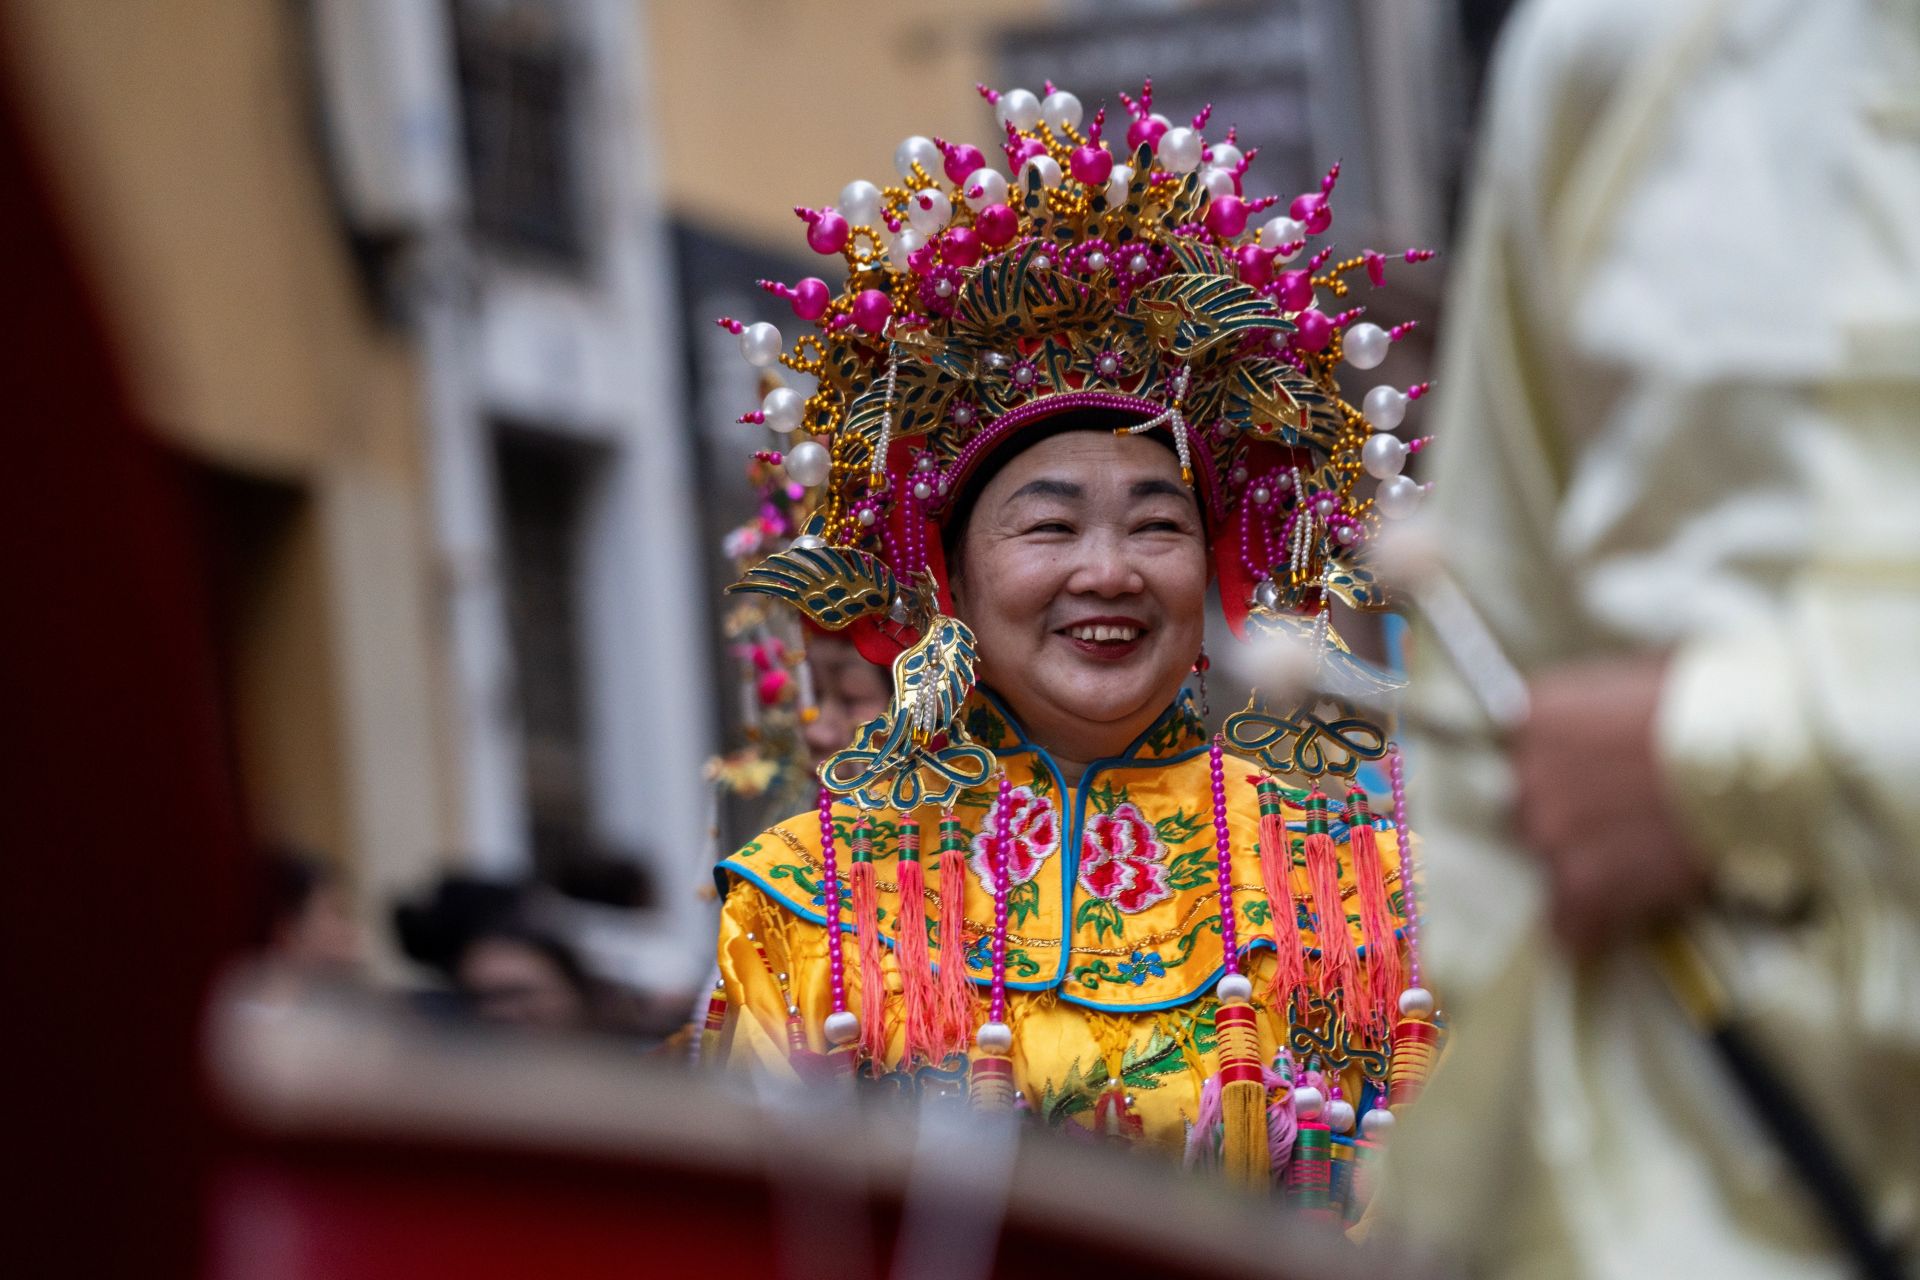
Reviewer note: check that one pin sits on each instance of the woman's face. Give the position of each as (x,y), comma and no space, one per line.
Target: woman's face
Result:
(1083,573)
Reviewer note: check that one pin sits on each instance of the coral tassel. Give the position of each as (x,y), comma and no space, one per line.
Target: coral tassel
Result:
(1384,978)
(1339,964)
(956,996)
(1276,868)
(873,979)
(910,951)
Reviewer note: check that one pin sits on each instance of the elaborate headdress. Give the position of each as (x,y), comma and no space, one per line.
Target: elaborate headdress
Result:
(975,308)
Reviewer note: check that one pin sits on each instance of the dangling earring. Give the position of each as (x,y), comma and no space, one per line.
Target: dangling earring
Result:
(1200,665)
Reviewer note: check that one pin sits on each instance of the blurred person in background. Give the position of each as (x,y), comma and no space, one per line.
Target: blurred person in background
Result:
(1679,476)
(504,966)
(308,929)
(848,691)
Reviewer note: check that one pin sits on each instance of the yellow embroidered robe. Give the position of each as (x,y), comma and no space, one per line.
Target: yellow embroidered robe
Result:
(1113,942)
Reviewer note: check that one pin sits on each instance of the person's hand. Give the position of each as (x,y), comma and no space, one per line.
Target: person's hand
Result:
(1591,806)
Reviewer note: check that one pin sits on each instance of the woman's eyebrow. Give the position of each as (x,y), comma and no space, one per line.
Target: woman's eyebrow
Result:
(1046,488)
(1152,488)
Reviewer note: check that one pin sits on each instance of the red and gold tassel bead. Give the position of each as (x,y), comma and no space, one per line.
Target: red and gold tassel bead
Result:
(1243,1087)
(990,1074)
(716,1021)
(1416,1039)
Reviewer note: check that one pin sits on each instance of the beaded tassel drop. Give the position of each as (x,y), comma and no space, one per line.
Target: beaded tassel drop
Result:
(991,1070)
(1339,964)
(1384,980)
(956,1004)
(1243,1086)
(1276,873)
(1416,1038)
(866,926)
(923,1034)
(842,1027)
(1310,1172)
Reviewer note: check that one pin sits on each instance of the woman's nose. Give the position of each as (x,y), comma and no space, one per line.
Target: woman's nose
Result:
(1105,569)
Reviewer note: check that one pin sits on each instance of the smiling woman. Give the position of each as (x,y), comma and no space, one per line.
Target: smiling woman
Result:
(1036,878)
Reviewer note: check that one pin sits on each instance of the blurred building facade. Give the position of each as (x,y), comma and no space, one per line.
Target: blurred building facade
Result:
(391,285)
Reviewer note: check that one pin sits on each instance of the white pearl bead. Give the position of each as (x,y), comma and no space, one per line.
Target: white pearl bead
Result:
(1234,986)
(1118,183)
(1019,108)
(1061,110)
(1383,456)
(1416,1002)
(922,490)
(1218,182)
(1042,263)
(995,1037)
(1366,345)
(917,150)
(1096,261)
(1261,494)
(1385,407)
(866,517)
(1398,497)
(1283,230)
(761,344)
(1180,150)
(1346,535)
(843,1027)
(807,463)
(905,244)
(1138,264)
(1376,1124)
(860,203)
(1225,156)
(782,408)
(1045,168)
(928,211)
(1308,1102)
(1339,1115)
(983,187)
(1267,595)
(943,289)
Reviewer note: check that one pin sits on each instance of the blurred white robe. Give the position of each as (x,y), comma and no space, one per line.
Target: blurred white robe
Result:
(1680,411)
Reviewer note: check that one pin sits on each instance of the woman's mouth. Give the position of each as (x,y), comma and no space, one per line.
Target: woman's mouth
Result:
(1109,639)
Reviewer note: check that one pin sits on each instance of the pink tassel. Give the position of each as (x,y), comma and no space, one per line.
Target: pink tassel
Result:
(924,1037)
(1339,963)
(956,995)
(1276,872)
(866,925)
(1384,979)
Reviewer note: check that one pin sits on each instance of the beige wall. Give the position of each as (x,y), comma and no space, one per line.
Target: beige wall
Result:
(181,138)
(760,105)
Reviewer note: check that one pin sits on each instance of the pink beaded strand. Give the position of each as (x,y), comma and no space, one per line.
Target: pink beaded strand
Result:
(830,886)
(1223,851)
(1002,838)
(1396,771)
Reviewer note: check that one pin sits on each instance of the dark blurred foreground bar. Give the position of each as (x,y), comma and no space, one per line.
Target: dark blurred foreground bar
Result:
(374,1144)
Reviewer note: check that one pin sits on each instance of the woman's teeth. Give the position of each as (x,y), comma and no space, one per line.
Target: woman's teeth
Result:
(1104,632)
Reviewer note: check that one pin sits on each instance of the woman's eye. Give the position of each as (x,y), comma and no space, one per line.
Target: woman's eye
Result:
(1051,526)
(1160,526)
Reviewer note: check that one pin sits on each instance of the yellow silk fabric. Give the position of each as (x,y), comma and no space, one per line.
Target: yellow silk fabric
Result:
(1095,991)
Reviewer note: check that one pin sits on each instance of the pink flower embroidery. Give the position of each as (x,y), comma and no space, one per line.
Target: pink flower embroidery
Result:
(1036,837)
(1122,861)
